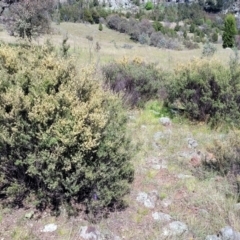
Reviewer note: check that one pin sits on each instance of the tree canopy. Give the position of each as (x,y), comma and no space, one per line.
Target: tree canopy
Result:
(26,18)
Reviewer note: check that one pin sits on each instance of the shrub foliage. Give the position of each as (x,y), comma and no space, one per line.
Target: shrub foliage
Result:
(208,91)
(229,32)
(62,137)
(137,80)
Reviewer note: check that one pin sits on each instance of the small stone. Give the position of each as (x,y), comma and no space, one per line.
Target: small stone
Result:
(227,233)
(212,237)
(141,197)
(90,233)
(50,227)
(147,201)
(29,215)
(162,217)
(175,228)
(158,164)
(184,155)
(165,121)
(192,143)
(158,135)
(166,202)
(183,176)
(116,238)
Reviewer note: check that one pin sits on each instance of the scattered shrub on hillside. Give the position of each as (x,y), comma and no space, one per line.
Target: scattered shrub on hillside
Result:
(135,33)
(226,159)
(208,91)
(157,26)
(144,39)
(113,21)
(190,45)
(192,28)
(226,150)
(95,16)
(138,81)
(214,37)
(145,26)
(149,6)
(208,49)
(124,26)
(100,27)
(177,27)
(62,137)
(229,31)
(155,38)
(185,34)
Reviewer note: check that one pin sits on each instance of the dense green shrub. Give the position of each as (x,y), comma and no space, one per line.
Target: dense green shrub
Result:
(192,28)
(149,6)
(208,91)
(77,11)
(62,137)
(100,27)
(87,16)
(177,27)
(157,26)
(229,32)
(137,80)
(95,16)
(214,37)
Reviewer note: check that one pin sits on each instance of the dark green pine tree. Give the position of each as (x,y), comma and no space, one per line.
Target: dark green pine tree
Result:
(230,30)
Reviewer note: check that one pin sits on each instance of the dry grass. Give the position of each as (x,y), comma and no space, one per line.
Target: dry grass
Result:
(112,42)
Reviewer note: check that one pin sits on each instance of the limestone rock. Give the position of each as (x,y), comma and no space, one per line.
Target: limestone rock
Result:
(174,229)
(148,201)
(50,227)
(227,233)
(165,121)
(192,143)
(90,233)
(161,217)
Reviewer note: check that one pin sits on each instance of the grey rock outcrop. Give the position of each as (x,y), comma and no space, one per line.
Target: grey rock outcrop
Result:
(226,233)
(161,217)
(90,233)
(50,227)
(148,200)
(175,229)
(165,121)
